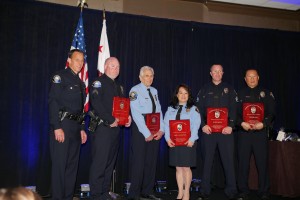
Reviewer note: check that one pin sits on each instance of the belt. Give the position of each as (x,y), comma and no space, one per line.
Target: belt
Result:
(75,117)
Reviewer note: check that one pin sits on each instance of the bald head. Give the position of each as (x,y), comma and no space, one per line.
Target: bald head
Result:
(112,67)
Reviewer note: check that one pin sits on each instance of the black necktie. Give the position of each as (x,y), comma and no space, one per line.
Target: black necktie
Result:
(152,99)
(178,112)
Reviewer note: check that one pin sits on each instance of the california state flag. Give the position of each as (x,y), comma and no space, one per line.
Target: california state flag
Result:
(103,50)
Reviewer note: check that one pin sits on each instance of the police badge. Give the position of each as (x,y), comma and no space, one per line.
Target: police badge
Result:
(225,90)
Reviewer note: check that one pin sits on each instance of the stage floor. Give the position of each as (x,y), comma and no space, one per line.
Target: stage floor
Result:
(217,194)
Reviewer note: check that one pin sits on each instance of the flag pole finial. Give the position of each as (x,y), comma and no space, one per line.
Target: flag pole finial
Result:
(103,12)
(82,4)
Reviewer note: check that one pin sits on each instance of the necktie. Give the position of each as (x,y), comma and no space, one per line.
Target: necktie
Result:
(152,99)
(178,112)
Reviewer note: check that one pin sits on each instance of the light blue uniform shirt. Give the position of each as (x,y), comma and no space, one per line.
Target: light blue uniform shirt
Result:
(140,103)
(191,114)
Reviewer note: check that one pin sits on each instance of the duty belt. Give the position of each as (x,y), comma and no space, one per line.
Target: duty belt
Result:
(76,117)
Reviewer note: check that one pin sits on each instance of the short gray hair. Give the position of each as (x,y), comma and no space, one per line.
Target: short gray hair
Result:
(144,68)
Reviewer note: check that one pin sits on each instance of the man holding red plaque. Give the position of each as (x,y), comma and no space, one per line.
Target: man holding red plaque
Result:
(256,113)
(105,139)
(147,130)
(182,121)
(217,104)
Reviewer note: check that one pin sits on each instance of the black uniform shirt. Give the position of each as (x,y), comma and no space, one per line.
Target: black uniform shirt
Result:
(257,95)
(217,96)
(67,93)
(102,92)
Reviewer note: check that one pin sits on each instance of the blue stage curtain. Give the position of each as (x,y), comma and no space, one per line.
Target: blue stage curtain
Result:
(35,38)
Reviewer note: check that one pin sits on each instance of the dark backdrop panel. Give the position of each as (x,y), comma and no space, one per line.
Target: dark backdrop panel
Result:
(35,38)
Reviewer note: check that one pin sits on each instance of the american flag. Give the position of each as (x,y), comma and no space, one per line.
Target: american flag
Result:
(79,43)
(103,49)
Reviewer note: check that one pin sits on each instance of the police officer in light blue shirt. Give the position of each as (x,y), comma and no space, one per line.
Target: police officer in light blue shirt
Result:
(192,114)
(183,157)
(144,145)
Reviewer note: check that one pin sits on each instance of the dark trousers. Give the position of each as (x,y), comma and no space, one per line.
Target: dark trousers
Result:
(256,143)
(143,166)
(225,144)
(65,157)
(105,144)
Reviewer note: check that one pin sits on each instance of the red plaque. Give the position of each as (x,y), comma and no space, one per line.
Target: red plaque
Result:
(153,122)
(253,112)
(217,119)
(121,109)
(180,131)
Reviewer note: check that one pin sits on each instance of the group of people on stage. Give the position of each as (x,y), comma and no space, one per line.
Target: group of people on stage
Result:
(66,101)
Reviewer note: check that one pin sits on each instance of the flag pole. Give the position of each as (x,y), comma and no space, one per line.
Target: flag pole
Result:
(103,13)
(103,45)
(79,36)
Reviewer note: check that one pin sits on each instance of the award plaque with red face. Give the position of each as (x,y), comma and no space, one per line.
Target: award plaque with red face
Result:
(217,119)
(180,131)
(153,122)
(121,107)
(253,112)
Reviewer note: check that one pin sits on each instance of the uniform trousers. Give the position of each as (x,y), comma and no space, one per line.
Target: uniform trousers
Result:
(256,143)
(143,166)
(65,158)
(105,144)
(225,144)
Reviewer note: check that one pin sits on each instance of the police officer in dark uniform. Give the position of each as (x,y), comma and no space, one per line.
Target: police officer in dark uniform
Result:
(144,144)
(66,102)
(105,139)
(253,135)
(217,94)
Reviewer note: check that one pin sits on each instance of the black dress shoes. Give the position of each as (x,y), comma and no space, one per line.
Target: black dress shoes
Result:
(265,197)
(243,197)
(149,197)
(203,197)
(133,198)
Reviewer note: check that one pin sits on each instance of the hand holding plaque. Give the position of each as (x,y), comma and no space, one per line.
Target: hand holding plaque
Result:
(180,131)
(121,109)
(153,122)
(217,119)
(253,113)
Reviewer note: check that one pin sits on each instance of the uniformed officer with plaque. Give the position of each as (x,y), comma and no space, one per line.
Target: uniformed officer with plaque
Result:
(217,105)
(256,113)
(107,104)
(147,130)
(182,121)
(66,102)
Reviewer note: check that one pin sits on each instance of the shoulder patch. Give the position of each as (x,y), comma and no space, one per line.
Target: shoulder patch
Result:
(96,84)
(56,79)
(197,110)
(133,96)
